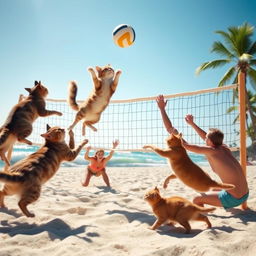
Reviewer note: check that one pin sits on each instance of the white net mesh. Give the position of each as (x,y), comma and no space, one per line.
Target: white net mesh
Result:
(138,122)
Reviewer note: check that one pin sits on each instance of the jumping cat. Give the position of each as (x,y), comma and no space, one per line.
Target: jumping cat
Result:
(175,209)
(105,84)
(184,168)
(27,176)
(18,124)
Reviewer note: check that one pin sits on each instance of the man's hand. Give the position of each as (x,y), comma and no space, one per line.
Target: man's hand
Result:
(161,103)
(115,143)
(189,119)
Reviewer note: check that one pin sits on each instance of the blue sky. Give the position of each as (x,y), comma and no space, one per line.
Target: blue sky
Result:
(56,40)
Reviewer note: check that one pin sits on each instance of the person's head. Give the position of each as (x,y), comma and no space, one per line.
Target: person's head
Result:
(99,154)
(214,137)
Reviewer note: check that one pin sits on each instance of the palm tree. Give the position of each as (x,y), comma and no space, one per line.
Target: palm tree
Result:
(252,103)
(238,50)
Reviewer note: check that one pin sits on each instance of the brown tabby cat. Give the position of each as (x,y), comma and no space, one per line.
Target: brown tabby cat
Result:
(175,209)
(18,124)
(91,109)
(27,176)
(185,169)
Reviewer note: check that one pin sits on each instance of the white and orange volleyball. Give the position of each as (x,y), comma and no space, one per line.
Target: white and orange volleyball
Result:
(124,35)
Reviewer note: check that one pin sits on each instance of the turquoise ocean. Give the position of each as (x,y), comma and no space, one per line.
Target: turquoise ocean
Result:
(119,159)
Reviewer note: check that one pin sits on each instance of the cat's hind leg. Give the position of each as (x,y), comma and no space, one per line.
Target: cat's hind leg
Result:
(7,190)
(4,158)
(9,155)
(30,195)
(91,126)
(201,217)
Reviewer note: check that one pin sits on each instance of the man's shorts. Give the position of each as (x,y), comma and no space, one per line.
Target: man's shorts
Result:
(228,201)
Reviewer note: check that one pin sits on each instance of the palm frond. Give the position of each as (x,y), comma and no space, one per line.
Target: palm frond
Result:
(253,62)
(211,64)
(236,119)
(228,40)
(227,76)
(219,48)
(252,76)
(252,49)
(240,37)
(231,109)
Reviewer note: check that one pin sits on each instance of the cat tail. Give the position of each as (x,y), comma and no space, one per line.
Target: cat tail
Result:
(223,186)
(203,209)
(4,134)
(72,96)
(11,178)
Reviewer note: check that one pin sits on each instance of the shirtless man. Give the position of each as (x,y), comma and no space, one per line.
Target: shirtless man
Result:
(222,162)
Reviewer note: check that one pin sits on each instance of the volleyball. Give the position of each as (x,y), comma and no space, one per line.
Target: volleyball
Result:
(124,35)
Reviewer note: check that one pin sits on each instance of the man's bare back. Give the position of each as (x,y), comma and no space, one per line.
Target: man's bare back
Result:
(224,164)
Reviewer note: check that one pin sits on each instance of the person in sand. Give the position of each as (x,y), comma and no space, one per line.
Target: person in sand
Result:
(97,164)
(220,158)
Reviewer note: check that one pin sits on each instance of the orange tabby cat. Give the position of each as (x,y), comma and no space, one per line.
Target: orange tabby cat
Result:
(18,124)
(27,176)
(175,209)
(91,109)
(184,168)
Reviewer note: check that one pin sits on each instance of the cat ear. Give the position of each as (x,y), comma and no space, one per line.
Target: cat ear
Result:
(36,83)
(180,135)
(48,127)
(39,83)
(98,69)
(156,188)
(44,135)
(28,89)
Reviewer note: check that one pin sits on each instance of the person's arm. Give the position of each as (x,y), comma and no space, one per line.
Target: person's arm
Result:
(190,120)
(111,153)
(86,155)
(161,103)
(204,150)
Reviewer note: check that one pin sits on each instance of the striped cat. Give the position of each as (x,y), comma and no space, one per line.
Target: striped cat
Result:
(105,84)
(27,176)
(18,124)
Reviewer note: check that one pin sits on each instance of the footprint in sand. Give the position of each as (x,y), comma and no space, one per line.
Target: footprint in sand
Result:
(78,210)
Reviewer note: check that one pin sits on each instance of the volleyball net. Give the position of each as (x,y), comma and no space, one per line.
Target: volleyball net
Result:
(136,122)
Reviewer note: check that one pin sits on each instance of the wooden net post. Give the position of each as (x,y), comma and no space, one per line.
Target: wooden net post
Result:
(242,119)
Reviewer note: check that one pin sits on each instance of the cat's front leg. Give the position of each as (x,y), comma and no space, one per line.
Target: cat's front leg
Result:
(95,79)
(116,80)
(159,151)
(45,112)
(73,153)
(157,224)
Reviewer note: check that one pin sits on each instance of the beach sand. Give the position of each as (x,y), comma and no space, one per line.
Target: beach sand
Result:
(76,220)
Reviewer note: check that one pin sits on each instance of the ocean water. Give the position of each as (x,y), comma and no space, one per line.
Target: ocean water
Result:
(119,159)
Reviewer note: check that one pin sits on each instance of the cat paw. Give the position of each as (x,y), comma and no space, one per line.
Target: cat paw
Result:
(71,133)
(146,147)
(119,72)
(85,141)
(58,113)
(90,69)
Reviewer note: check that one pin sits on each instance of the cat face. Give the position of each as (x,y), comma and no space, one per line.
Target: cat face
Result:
(105,72)
(152,196)
(38,89)
(174,140)
(54,134)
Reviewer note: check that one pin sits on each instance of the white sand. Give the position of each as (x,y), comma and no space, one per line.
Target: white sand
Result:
(74,220)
